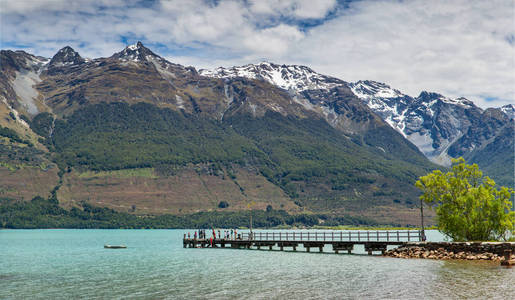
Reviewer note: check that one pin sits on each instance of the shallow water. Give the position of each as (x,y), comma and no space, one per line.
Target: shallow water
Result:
(73,264)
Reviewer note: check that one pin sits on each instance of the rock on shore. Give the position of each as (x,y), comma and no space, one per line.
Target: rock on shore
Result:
(445,251)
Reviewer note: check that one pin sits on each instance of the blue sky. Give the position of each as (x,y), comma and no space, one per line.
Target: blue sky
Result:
(457,48)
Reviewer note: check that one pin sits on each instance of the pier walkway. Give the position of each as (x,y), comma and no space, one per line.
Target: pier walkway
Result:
(339,240)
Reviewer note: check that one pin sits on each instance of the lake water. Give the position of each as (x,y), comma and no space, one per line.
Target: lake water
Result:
(69,264)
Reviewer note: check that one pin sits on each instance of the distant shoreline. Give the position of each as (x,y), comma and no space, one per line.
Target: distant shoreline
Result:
(365,228)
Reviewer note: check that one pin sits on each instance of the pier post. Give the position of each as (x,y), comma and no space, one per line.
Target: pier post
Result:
(320,248)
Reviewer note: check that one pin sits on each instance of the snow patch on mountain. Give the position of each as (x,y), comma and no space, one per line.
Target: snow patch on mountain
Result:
(66,57)
(431,121)
(390,104)
(288,77)
(367,89)
(509,110)
(137,53)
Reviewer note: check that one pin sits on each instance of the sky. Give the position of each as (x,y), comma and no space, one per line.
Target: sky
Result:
(459,48)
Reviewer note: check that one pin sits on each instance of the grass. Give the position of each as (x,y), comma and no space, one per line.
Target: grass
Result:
(12,167)
(126,173)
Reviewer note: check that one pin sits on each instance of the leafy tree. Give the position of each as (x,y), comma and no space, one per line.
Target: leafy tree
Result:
(469,206)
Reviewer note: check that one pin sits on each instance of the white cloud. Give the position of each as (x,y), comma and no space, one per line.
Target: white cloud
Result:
(275,41)
(457,48)
(302,9)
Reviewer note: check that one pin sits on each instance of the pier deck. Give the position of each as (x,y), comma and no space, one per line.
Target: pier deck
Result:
(340,241)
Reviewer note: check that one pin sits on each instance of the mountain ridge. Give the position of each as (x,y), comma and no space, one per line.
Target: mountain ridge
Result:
(317,144)
(433,122)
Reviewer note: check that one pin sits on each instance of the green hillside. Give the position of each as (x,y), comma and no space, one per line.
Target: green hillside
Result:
(307,158)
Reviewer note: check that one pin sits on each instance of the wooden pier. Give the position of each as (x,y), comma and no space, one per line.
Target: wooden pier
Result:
(339,240)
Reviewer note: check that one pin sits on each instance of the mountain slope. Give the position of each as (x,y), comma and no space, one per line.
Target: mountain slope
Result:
(437,125)
(135,120)
(443,128)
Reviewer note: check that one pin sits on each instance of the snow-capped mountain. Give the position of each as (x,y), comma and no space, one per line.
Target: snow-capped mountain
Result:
(310,137)
(509,109)
(388,103)
(279,115)
(66,57)
(430,121)
(327,96)
(288,77)
(135,53)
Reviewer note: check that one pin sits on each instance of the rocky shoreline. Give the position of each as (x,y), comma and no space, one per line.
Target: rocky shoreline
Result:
(454,250)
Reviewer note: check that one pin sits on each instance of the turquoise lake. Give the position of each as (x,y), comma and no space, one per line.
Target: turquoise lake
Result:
(71,264)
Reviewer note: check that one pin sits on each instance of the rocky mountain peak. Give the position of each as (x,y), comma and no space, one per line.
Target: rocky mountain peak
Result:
(136,52)
(509,109)
(426,96)
(289,77)
(431,98)
(66,57)
(368,88)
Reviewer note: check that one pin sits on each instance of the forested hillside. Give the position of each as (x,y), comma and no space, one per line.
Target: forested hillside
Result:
(140,135)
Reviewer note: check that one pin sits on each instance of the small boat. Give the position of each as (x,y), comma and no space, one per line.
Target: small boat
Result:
(115,246)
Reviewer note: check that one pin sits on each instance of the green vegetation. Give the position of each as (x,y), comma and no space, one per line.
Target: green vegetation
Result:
(42,124)
(379,227)
(469,206)
(13,156)
(13,136)
(298,155)
(113,136)
(46,213)
(310,151)
(496,158)
(127,173)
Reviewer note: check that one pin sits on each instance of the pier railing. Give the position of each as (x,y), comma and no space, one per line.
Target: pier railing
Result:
(335,236)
